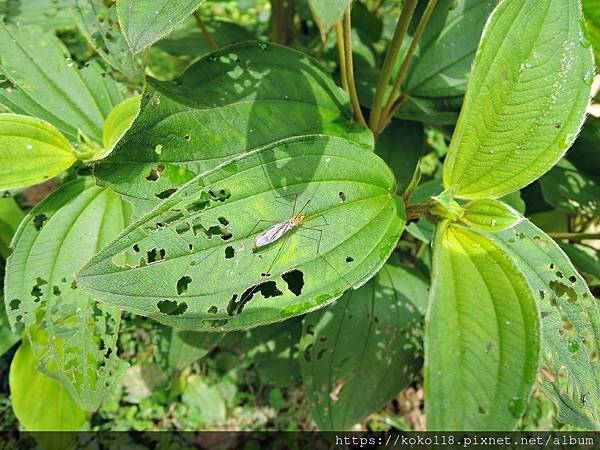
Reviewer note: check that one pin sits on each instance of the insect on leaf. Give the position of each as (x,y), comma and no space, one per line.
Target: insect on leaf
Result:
(194,264)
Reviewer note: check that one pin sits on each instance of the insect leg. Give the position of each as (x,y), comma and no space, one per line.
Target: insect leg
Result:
(257,224)
(285,239)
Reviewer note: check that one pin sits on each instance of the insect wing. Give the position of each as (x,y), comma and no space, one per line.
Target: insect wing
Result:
(273,233)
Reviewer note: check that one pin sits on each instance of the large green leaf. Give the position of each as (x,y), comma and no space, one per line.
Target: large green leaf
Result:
(566,187)
(328,13)
(194,264)
(39,402)
(359,353)
(31,151)
(526,98)
(44,82)
(482,335)
(119,120)
(146,21)
(77,337)
(98,23)
(238,99)
(570,315)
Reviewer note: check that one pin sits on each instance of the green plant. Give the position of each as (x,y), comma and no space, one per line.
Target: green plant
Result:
(167,192)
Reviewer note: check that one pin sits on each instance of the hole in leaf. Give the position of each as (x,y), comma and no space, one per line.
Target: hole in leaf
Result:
(171,307)
(223,221)
(267,289)
(166,193)
(136,248)
(56,291)
(349,259)
(212,310)
(573,279)
(14,304)
(155,173)
(182,284)
(343,196)
(295,281)
(229,252)
(561,289)
(155,255)
(39,221)
(221,195)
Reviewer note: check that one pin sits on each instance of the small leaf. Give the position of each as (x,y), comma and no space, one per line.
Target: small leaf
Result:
(10,218)
(570,314)
(200,241)
(328,13)
(31,393)
(119,120)
(73,338)
(145,22)
(489,215)
(566,187)
(178,349)
(526,99)
(31,151)
(228,103)
(44,82)
(357,354)
(99,25)
(481,351)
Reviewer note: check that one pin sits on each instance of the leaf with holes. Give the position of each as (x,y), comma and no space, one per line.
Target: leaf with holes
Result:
(526,99)
(357,354)
(31,151)
(566,187)
(44,82)
(76,338)
(98,23)
(197,264)
(146,21)
(570,314)
(238,99)
(481,351)
(31,392)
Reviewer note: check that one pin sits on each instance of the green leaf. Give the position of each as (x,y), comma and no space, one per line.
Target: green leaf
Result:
(47,14)
(31,393)
(441,65)
(77,337)
(327,14)
(489,215)
(199,241)
(481,351)
(178,349)
(401,145)
(566,187)
(591,10)
(31,151)
(44,82)
(526,98)
(99,25)
(205,402)
(146,21)
(585,151)
(586,259)
(188,40)
(357,354)
(238,99)
(570,315)
(10,218)
(7,337)
(119,120)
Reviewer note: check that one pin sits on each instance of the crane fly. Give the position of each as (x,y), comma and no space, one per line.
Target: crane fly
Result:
(277,231)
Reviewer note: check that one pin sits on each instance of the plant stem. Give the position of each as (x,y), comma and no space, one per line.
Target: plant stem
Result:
(339,31)
(390,61)
(574,236)
(406,63)
(350,69)
(207,35)
(282,19)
